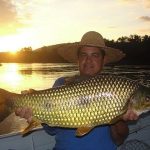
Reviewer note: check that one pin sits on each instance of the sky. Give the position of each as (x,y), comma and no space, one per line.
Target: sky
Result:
(39,23)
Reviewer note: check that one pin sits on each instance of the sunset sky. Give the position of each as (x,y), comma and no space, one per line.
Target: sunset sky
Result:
(38,23)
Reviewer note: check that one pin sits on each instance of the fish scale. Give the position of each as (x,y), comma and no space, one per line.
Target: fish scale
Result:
(91,102)
(95,101)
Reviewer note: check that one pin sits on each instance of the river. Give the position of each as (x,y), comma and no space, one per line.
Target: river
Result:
(16,77)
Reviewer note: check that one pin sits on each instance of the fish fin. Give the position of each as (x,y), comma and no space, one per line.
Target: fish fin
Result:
(34,123)
(83,130)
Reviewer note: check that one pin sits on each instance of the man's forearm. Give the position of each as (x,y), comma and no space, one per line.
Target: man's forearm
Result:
(119,132)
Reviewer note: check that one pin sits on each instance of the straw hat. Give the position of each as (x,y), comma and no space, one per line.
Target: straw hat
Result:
(69,50)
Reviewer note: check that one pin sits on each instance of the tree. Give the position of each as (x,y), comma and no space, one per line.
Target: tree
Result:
(26,49)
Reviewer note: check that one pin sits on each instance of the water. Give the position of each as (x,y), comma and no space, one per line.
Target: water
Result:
(18,77)
(140,73)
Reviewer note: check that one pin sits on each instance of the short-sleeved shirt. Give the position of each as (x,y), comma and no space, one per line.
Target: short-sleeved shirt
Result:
(98,138)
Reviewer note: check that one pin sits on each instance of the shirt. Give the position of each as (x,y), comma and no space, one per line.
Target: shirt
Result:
(98,138)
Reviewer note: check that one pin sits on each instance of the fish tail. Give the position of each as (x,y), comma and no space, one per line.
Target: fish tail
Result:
(5,104)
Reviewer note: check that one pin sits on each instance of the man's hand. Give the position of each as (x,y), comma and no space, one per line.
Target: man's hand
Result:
(130,115)
(25,112)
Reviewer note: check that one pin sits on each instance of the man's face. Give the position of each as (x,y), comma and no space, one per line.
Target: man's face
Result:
(90,61)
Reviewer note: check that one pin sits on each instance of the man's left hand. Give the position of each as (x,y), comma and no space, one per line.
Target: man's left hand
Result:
(130,115)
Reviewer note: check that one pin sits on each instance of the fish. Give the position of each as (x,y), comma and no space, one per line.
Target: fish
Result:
(99,100)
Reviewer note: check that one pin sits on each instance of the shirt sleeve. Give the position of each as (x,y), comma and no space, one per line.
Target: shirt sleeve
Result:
(53,130)
(59,82)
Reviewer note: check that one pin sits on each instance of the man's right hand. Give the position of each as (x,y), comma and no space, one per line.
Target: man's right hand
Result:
(25,112)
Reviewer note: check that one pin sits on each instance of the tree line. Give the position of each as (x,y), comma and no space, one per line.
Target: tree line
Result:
(136,48)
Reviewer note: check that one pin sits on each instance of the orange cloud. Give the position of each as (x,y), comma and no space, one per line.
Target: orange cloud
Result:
(7,12)
(145,18)
(9,20)
(147,3)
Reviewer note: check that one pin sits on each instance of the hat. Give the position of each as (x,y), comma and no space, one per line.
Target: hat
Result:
(69,50)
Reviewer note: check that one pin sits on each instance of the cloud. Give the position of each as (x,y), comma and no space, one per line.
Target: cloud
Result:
(9,21)
(145,18)
(7,12)
(145,3)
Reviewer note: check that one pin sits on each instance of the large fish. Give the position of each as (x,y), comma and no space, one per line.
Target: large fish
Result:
(96,101)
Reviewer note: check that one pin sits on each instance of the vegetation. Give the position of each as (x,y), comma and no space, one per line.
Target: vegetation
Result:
(137,49)
(46,54)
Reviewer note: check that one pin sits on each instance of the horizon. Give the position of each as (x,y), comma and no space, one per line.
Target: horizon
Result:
(37,23)
(14,52)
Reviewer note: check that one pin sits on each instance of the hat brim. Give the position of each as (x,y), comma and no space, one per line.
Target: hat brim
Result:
(68,51)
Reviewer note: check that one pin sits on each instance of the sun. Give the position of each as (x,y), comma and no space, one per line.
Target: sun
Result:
(9,43)
(13,52)
(15,42)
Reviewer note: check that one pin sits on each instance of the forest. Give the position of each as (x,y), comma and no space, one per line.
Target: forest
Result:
(136,48)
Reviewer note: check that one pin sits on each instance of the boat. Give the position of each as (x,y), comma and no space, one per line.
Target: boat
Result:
(139,133)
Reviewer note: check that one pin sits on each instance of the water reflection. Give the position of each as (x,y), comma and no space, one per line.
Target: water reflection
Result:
(17,77)
(9,77)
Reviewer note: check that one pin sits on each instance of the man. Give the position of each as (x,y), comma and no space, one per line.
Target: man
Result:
(92,54)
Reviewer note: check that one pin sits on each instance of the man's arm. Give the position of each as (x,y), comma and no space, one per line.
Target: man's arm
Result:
(120,130)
